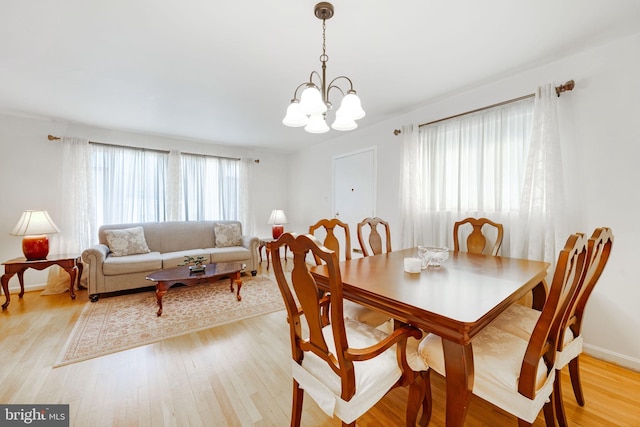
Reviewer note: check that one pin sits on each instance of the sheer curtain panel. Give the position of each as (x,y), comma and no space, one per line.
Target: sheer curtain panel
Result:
(472,165)
(130,184)
(76,218)
(542,209)
(210,187)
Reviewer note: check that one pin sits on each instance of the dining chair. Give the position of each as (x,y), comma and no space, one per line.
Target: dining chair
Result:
(514,373)
(476,239)
(521,320)
(330,227)
(373,245)
(333,229)
(344,365)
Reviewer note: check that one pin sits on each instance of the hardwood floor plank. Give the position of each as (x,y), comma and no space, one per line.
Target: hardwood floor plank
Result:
(232,375)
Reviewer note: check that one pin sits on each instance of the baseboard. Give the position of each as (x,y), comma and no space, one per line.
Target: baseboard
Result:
(611,356)
(27,288)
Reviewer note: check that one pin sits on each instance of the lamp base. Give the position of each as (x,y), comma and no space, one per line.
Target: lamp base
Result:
(277,230)
(35,247)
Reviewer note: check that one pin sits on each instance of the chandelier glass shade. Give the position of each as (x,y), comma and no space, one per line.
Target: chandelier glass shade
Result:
(311,108)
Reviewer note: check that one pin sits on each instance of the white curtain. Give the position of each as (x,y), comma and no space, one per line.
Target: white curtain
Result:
(542,209)
(411,188)
(175,205)
(76,218)
(210,187)
(130,184)
(472,165)
(247,216)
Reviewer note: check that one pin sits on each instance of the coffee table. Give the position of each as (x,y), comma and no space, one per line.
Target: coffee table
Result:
(166,278)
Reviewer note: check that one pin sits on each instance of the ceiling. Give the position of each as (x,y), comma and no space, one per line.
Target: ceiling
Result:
(225,72)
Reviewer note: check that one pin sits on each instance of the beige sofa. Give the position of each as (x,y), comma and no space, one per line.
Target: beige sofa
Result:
(127,253)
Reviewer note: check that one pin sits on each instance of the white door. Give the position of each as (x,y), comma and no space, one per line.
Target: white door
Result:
(354,189)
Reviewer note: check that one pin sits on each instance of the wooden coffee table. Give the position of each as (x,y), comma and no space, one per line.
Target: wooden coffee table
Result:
(171,276)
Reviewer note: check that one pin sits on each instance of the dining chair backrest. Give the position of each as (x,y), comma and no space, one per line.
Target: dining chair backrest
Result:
(598,252)
(544,338)
(374,246)
(476,241)
(331,241)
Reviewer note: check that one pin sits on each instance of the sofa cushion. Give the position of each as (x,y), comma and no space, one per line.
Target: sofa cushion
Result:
(173,259)
(231,254)
(115,265)
(227,235)
(128,241)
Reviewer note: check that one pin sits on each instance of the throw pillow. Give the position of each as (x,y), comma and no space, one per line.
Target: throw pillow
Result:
(227,235)
(128,241)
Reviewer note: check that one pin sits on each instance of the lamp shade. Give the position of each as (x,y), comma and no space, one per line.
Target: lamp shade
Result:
(295,117)
(34,226)
(316,124)
(342,123)
(277,217)
(34,223)
(350,107)
(311,101)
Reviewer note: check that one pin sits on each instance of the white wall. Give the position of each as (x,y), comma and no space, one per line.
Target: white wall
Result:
(30,166)
(600,123)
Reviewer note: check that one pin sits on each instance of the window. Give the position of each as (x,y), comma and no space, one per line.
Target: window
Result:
(133,185)
(210,187)
(476,163)
(472,165)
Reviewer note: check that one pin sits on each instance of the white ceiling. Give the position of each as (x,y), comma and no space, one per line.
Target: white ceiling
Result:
(225,71)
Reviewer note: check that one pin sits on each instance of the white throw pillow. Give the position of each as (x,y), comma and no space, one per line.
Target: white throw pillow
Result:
(227,235)
(128,241)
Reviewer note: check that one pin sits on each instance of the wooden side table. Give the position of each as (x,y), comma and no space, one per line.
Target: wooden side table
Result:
(70,263)
(266,243)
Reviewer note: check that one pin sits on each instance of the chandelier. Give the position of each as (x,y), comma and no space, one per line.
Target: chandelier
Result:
(310,110)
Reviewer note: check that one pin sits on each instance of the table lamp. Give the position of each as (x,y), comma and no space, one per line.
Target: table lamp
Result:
(34,226)
(276,220)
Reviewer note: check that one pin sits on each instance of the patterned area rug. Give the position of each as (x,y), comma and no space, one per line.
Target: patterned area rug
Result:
(122,322)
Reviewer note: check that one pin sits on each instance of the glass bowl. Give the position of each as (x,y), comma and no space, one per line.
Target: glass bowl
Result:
(433,255)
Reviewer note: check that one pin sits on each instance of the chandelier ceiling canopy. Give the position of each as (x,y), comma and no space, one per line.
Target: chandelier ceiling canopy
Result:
(310,110)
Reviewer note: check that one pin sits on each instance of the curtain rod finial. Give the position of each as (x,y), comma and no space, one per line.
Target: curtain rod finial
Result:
(397,132)
(53,138)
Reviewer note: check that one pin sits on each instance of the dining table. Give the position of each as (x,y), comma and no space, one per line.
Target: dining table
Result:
(455,301)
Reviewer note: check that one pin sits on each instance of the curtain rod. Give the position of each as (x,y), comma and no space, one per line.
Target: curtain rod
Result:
(56,138)
(559,89)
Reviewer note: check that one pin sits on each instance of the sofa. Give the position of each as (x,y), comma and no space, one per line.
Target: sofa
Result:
(127,253)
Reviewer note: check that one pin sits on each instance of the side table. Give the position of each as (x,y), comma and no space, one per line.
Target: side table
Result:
(266,243)
(70,263)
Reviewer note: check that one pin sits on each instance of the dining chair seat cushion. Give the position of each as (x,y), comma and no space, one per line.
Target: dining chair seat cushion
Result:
(369,316)
(497,357)
(520,320)
(374,377)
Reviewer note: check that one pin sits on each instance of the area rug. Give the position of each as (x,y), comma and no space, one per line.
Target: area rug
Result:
(122,322)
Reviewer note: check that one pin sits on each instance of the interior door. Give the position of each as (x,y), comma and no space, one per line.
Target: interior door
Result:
(354,188)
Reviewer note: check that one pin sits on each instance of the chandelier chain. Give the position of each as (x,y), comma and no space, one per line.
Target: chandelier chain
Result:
(324,57)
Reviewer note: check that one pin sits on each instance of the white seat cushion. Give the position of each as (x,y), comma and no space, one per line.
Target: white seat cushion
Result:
(355,311)
(497,357)
(374,377)
(520,321)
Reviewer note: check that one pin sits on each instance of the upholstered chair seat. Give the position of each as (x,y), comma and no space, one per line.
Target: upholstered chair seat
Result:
(497,360)
(374,377)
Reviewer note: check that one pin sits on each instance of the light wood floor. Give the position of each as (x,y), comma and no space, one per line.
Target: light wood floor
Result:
(233,375)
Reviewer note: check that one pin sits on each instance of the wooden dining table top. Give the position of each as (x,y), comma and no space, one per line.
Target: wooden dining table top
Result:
(455,300)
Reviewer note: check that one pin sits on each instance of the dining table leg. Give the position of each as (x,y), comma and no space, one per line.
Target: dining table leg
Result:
(458,364)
